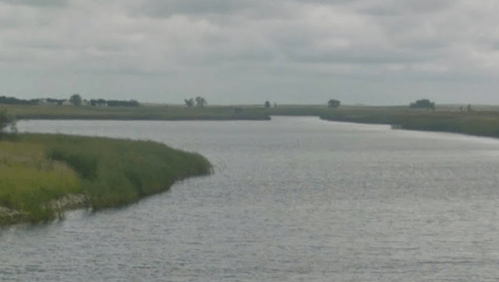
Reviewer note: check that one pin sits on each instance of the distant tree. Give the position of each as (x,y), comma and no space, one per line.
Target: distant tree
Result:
(267,104)
(75,99)
(189,103)
(133,103)
(333,103)
(422,104)
(238,110)
(469,107)
(200,102)
(6,121)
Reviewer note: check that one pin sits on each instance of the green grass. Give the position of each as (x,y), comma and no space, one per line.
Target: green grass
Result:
(480,123)
(28,180)
(483,121)
(38,168)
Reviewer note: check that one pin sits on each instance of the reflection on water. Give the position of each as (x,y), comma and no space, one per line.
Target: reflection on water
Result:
(293,199)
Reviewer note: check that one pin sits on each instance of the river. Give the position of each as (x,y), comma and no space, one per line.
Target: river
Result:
(292,199)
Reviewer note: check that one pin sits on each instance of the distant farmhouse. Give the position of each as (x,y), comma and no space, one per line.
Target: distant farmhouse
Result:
(47,102)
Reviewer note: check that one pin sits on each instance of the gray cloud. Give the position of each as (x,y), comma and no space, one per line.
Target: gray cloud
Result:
(168,8)
(231,50)
(402,7)
(362,55)
(37,3)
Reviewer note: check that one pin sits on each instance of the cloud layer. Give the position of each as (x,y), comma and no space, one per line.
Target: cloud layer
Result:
(232,51)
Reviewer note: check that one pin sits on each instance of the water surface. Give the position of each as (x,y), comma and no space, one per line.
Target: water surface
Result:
(293,199)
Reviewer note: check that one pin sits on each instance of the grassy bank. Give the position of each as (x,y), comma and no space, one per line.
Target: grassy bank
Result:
(479,123)
(37,170)
(133,113)
(483,121)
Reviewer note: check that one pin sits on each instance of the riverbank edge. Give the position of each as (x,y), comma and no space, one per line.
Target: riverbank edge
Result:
(10,217)
(69,202)
(479,127)
(476,123)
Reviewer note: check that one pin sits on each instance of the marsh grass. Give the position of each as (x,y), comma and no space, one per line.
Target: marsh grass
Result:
(38,168)
(132,113)
(479,123)
(28,180)
(447,118)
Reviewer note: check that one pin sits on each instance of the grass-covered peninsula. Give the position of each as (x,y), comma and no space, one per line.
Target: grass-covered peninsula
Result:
(477,120)
(483,122)
(42,174)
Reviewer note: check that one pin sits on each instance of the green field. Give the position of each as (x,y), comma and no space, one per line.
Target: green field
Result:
(132,113)
(480,123)
(36,170)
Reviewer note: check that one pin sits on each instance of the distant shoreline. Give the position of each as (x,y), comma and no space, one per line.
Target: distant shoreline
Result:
(476,123)
(484,121)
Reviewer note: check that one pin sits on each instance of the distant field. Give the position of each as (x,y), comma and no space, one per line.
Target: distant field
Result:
(131,113)
(180,112)
(445,119)
(482,120)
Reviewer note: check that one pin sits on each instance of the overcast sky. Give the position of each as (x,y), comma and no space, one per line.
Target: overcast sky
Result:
(235,51)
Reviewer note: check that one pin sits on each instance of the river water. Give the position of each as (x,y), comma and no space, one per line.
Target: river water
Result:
(292,199)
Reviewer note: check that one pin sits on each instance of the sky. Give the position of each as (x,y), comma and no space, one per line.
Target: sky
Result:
(372,52)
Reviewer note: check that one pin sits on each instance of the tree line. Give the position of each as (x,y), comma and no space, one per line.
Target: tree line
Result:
(74,100)
(16,101)
(114,103)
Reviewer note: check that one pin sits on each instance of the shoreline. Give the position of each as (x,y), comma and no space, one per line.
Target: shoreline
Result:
(69,202)
(446,118)
(482,124)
